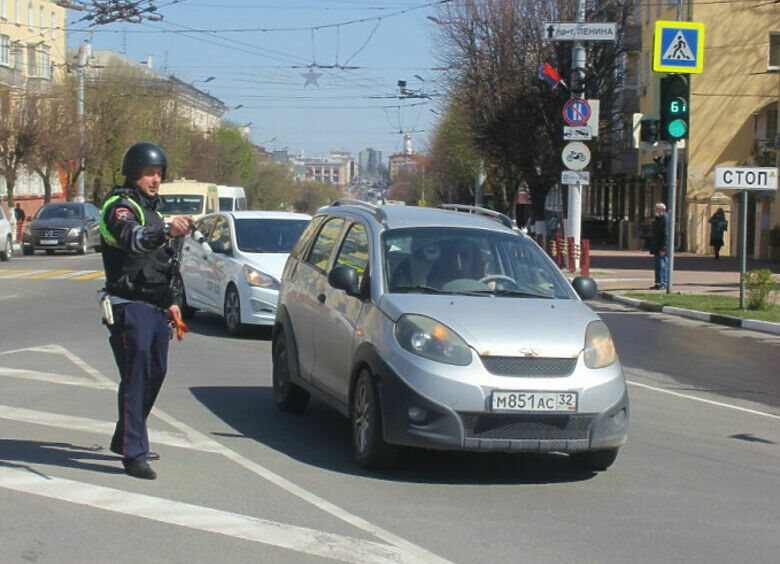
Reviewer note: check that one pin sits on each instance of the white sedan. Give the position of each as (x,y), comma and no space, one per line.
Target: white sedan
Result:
(238,276)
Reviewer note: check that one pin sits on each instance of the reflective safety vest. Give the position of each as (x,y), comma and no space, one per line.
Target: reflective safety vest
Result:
(104,229)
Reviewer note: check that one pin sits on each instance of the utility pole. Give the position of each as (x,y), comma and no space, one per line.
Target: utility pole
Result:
(85,50)
(578,91)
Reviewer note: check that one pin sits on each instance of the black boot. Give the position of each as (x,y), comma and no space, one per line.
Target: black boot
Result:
(139,469)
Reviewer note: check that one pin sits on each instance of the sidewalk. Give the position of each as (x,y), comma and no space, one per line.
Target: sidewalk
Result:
(615,269)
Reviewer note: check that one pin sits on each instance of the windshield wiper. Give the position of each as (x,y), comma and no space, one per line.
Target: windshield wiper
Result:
(419,288)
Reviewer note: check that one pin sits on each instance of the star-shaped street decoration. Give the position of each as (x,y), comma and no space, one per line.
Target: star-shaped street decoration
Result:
(311,77)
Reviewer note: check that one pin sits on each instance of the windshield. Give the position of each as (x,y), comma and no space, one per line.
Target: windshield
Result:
(469,261)
(226,204)
(182,204)
(259,235)
(63,211)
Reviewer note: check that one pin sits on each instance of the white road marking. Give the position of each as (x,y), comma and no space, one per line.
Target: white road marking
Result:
(72,274)
(61,379)
(702,400)
(412,552)
(299,539)
(25,273)
(9,296)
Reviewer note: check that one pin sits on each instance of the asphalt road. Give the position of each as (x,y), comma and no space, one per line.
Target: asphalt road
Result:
(239,481)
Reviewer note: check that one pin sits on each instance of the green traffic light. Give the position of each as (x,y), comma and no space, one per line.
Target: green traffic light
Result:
(677,129)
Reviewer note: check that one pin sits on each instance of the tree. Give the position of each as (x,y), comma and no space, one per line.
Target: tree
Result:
(511,118)
(17,137)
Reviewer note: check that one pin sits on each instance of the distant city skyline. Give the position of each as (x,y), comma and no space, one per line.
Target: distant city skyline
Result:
(308,79)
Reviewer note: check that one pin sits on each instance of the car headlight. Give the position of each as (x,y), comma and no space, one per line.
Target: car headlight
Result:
(430,339)
(599,348)
(256,278)
(74,232)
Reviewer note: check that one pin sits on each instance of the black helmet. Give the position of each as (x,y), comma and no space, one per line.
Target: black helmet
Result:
(140,155)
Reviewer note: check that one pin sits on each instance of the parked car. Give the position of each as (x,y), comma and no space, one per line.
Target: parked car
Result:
(449,330)
(238,276)
(6,238)
(66,226)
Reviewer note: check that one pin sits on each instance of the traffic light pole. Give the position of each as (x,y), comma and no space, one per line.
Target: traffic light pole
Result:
(672,180)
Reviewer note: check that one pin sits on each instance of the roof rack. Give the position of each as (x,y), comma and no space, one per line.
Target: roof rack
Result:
(492,214)
(378,212)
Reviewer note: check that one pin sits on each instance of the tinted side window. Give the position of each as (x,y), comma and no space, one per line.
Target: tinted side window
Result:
(303,240)
(206,225)
(324,243)
(221,233)
(354,250)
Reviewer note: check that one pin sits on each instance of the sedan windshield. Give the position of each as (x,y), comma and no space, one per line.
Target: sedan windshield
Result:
(473,262)
(259,235)
(63,211)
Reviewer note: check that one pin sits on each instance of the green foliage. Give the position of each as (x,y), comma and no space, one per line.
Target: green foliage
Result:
(760,286)
(709,303)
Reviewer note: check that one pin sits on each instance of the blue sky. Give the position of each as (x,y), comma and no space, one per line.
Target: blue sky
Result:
(347,109)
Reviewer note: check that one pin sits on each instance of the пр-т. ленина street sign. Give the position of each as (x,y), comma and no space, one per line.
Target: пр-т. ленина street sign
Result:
(678,47)
(559,31)
(746,177)
(576,111)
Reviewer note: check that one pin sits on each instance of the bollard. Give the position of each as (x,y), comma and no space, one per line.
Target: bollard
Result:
(19,228)
(560,248)
(571,247)
(585,259)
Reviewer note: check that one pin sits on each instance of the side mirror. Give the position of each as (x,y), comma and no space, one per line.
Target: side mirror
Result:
(585,287)
(344,277)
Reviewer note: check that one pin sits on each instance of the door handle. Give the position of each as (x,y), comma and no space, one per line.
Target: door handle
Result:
(321,298)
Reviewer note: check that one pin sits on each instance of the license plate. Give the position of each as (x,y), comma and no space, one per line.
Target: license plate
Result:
(49,241)
(534,401)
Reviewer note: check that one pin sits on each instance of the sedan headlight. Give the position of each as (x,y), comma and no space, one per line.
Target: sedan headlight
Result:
(256,278)
(430,339)
(74,233)
(599,348)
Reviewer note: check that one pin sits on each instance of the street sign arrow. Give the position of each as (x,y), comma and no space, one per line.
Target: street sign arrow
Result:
(560,31)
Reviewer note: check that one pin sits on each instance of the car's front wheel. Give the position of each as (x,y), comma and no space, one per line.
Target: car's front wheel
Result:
(368,443)
(8,250)
(288,396)
(595,459)
(232,312)
(83,245)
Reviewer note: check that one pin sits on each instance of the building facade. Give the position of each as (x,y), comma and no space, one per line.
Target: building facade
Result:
(733,122)
(337,169)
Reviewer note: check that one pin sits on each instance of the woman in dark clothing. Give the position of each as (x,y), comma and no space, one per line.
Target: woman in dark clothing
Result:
(718,225)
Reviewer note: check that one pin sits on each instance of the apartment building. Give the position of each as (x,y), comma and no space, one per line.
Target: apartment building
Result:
(733,122)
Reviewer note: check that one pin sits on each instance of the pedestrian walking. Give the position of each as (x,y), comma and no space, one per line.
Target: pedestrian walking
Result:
(718,225)
(139,298)
(19,213)
(658,243)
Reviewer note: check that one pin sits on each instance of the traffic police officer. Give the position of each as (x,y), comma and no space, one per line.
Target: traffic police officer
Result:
(139,271)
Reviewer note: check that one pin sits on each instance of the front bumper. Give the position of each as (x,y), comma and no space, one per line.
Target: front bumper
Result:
(259,306)
(462,427)
(58,241)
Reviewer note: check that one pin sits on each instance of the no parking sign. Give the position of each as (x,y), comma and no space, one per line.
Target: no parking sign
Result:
(576,111)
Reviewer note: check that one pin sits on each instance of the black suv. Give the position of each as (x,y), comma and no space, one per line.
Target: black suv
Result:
(65,226)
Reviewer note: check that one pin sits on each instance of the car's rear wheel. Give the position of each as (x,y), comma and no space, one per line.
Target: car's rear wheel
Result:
(83,246)
(288,396)
(368,443)
(232,312)
(595,459)
(8,250)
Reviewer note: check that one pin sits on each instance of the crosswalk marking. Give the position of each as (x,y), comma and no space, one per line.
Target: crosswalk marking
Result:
(51,274)
(197,517)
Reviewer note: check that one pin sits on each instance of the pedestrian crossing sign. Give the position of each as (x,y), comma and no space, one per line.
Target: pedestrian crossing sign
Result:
(678,47)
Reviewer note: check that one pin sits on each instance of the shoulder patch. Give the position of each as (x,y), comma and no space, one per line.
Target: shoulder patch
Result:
(122,213)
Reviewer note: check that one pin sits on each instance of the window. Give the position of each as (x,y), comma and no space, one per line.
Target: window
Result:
(354,250)
(53,26)
(5,56)
(221,234)
(324,243)
(32,69)
(18,57)
(303,240)
(17,13)
(41,18)
(30,16)
(774,50)
(4,9)
(45,69)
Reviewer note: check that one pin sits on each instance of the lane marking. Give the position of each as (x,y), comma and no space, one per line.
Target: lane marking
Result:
(45,274)
(25,273)
(96,274)
(4,273)
(244,527)
(413,552)
(703,400)
(72,274)
(52,378)
(9,296)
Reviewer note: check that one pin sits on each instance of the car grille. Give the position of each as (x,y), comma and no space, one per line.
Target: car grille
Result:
(529,366)
(539,427)
(49,233)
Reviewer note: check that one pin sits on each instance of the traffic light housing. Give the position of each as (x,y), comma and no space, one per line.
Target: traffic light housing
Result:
(649,130)
(675,95)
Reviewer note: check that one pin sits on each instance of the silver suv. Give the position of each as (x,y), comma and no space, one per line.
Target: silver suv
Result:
(443,329)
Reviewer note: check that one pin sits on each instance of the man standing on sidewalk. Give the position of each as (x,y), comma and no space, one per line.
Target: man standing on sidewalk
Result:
(658,247)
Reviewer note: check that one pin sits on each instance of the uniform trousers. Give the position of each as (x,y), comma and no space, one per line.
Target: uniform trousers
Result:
(139,339)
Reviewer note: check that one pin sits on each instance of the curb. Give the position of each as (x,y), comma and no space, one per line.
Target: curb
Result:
(728,320)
